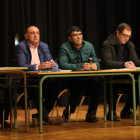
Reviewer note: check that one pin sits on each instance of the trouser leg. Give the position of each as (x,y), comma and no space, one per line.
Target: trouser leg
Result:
(76,92)
(50,94)
(89,86)
(129,102)
(94,88)
(34,95)
(77,89)
(5,100)
(7,103)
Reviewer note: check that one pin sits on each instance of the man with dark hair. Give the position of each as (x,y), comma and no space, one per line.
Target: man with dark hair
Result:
(119,52)
(77,48)
(35,55)
(73,28)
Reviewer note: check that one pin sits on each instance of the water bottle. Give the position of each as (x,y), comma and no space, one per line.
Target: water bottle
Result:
(55,66)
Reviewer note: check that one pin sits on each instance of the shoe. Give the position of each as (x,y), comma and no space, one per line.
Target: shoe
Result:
(91,118)
(115,117)
(65,119)
(128,115)
(35,120)
(55,120)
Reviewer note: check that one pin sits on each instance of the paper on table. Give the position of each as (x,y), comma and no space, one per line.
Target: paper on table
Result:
(122,69)
(64,70)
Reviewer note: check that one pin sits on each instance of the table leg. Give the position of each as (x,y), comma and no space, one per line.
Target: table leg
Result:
(104,86)
(10,103)
(69,108)
(40,107)
(139,92)
(134,100)
(25,95)
(15,106)
(111,101)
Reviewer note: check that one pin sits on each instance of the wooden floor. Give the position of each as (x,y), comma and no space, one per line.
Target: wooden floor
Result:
(76,130)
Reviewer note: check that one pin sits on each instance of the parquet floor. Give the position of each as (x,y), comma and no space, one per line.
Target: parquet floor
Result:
(76,130)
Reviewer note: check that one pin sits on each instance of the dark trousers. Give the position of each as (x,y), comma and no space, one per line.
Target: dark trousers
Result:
(123,88)
(50,94)
(88,86)
(4,101)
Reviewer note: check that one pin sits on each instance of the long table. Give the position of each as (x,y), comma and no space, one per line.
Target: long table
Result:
(9,73)
(102,73)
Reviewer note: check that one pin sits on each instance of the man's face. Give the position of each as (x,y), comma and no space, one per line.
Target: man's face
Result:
(124,36)
(33,35)
(76,38)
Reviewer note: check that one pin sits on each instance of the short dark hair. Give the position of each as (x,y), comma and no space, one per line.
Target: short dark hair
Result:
(73,28)
(123,26)
(26,31)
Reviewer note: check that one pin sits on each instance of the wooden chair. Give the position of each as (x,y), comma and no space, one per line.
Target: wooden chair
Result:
(29,102)
(56,105)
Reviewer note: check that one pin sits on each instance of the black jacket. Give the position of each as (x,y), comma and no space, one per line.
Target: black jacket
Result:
(110,53)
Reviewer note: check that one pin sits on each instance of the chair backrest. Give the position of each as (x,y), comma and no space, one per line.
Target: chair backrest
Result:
(100,62)
(13,63)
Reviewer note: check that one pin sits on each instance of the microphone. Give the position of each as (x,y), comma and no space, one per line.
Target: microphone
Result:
(90,57)
(77,58)
(41,51)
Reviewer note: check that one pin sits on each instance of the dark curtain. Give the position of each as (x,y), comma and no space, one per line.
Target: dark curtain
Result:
(97,19)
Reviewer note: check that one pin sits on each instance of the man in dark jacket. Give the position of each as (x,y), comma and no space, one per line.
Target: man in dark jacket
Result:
(35,55)
(119,52)
(74,54)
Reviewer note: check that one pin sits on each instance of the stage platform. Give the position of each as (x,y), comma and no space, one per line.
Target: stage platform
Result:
(76,129)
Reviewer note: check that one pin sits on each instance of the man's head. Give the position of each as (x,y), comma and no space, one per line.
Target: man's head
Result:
(75,35)
(32,35)
(123,33)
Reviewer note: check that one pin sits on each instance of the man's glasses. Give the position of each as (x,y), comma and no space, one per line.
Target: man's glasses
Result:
(74,35)
(126,36)
(34,33)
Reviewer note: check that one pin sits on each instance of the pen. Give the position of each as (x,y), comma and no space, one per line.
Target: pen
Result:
(130,63)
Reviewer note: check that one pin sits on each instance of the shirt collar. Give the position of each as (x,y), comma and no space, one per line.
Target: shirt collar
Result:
(78,49)
(119,43)
(83,43)
(32,46)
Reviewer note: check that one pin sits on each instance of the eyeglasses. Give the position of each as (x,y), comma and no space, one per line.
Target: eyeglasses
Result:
(74,35)
(126,36)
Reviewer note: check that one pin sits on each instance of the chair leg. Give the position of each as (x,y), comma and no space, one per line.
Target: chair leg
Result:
(29,107)
(57,107)
(17,103)
(53,108)
(120,95)
(19,97)
(3,119)
(83,97)
(28,116)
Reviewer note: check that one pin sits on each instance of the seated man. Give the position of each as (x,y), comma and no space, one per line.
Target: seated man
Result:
(4,97)
(35,55)
(119,52)
(77,48)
